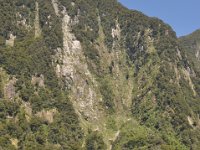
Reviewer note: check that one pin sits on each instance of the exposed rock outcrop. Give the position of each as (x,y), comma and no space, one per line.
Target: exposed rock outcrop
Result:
(47,115)
(9,89)
(55,6)
(73,68)
(38,80)
(28,110)
(186,73)
(37,21)
(179,53)
(198,54)
(14,142)
(11,40)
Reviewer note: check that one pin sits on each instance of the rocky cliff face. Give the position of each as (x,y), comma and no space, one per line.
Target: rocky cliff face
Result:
(73,67)
(79,75)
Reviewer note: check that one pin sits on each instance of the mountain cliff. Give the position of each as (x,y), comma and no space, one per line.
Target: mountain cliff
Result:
(76,74)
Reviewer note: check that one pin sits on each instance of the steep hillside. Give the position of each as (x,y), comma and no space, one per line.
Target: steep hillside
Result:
(76,74)
(192,45)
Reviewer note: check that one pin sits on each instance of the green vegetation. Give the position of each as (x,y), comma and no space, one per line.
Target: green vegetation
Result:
(94,141)
(134,136)
(191,47)
(33,57)
(164,107)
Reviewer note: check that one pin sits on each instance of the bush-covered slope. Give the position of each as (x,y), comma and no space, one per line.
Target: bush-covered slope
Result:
(191,44)
(80,75)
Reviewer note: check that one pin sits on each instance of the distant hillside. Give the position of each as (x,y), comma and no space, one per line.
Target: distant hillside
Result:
(191,44)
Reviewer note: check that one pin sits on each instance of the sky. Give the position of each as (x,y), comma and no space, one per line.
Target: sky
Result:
(182,15)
